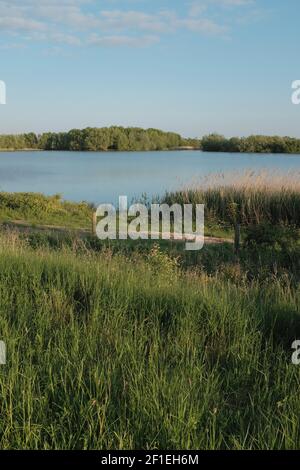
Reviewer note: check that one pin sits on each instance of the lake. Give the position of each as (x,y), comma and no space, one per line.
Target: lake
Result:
(103,176)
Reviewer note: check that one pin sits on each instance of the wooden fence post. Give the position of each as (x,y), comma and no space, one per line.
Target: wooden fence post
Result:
(94,223)
(237,238)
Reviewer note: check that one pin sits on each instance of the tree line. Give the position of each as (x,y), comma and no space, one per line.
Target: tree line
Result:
(251,144)
(97,139)
(137,139)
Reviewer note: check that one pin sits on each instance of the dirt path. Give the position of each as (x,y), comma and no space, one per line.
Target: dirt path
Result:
(24,226)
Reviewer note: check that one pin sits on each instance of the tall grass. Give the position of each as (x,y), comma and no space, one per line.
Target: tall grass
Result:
(257,197)
(114,352)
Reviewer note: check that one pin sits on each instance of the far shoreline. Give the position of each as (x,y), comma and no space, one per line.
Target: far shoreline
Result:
(135,139)
(27,150)
(176,149)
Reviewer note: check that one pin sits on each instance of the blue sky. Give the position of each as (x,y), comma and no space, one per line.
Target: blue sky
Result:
(191,66)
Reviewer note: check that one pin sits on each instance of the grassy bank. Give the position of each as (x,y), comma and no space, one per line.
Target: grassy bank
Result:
(107,350)
(249,199)
(36,208)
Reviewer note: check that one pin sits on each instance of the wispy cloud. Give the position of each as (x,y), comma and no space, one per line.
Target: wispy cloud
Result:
(120,40)
(200,7)
(83,23)
(17,23)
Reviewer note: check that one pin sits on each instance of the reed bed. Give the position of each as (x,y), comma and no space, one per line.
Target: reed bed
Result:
(254,198)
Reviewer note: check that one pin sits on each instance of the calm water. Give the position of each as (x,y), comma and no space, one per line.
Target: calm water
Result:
(102,177)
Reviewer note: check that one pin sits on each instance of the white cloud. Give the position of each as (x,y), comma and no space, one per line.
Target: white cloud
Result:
(204,25)
(234,2)
(17,23)
(120,20)
(75,23)
(130,41)
(69,39)
(198,7)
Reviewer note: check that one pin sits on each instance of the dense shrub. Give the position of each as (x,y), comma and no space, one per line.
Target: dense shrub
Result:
(36,207)
(251,144)
(284,237)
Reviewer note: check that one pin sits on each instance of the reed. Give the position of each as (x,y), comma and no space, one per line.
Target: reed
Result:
(259,197)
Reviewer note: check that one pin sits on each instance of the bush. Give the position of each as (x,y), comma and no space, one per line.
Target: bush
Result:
(283,237)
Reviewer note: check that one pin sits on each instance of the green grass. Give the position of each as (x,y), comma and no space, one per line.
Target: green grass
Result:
(123,344)
(109,350)
(38,209)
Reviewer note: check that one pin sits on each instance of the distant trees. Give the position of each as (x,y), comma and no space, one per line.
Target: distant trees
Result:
(137,139)
(214,143)
(96,139)
(252,144)
(111,138)
(31,140)
(17,142)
